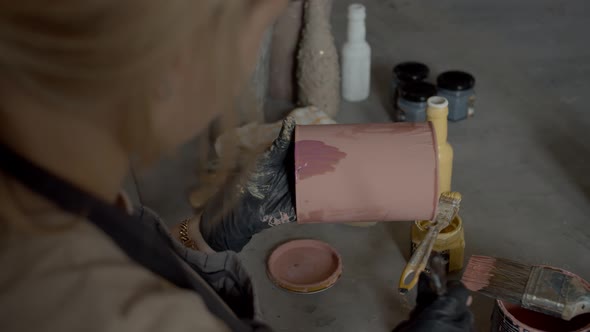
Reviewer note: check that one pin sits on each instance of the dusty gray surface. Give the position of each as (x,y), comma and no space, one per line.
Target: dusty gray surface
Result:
(521,164)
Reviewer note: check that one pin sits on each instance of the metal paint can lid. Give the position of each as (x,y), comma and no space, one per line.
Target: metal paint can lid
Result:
(411,71)
(304,266)
(417,91)
(455,80)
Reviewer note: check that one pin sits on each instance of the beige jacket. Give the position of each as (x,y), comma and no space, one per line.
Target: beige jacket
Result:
(79,280)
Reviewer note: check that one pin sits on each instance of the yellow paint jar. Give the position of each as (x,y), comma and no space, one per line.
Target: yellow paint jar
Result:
(450,243)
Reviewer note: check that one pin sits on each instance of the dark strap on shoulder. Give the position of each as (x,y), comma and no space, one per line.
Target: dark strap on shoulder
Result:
(146,247)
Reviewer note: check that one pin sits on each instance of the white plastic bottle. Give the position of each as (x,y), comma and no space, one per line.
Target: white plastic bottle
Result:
(356,57)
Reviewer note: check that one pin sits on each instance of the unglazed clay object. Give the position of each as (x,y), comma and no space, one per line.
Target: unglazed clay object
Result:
(365,172)
(259,136)
(304,266)
(318,71)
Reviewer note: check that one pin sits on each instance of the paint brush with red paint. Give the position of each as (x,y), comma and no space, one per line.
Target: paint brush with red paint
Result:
(538,288)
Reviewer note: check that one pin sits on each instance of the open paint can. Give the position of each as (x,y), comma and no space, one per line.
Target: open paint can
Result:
(508,317)
(365,172)
(449,244)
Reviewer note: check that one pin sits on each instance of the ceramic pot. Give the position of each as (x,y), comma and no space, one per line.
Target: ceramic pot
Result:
(365,172)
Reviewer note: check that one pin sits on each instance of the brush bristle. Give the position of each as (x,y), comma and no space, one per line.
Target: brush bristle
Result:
(496,277)
(451,196)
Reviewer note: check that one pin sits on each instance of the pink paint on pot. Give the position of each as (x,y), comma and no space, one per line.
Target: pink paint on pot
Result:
(511,317)
(365,172)
(325,158)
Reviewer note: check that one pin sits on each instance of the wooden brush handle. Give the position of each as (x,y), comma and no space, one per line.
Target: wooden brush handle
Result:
(429,241)
(583,306)
(418,261)
(448,206)
(438,274)
(577,300)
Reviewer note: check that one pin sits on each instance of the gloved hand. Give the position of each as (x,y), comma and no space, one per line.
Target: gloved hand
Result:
(447,313)
(242,209)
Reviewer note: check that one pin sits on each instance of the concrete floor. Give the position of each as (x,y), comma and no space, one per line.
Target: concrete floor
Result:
(521,164)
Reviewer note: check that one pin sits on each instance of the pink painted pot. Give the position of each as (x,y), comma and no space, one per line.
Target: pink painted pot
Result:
(365,172)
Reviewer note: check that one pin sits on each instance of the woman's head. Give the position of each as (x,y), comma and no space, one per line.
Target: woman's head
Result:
(151,73)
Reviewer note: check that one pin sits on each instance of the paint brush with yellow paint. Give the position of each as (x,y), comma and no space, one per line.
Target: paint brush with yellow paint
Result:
(448,207)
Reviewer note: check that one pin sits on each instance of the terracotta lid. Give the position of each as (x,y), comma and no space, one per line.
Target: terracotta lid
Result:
(304,266)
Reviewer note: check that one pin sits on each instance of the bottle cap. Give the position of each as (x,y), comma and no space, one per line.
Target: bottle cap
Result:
(356,11)
(438,102)
(411,71)
(417,91)
(455,80)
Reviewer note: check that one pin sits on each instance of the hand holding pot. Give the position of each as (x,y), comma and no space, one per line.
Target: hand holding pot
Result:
(266,199)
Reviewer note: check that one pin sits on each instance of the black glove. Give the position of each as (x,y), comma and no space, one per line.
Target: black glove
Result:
(447,313)
(242,209)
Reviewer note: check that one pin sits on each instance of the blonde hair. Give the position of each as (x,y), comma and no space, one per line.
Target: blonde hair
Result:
(74,52)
